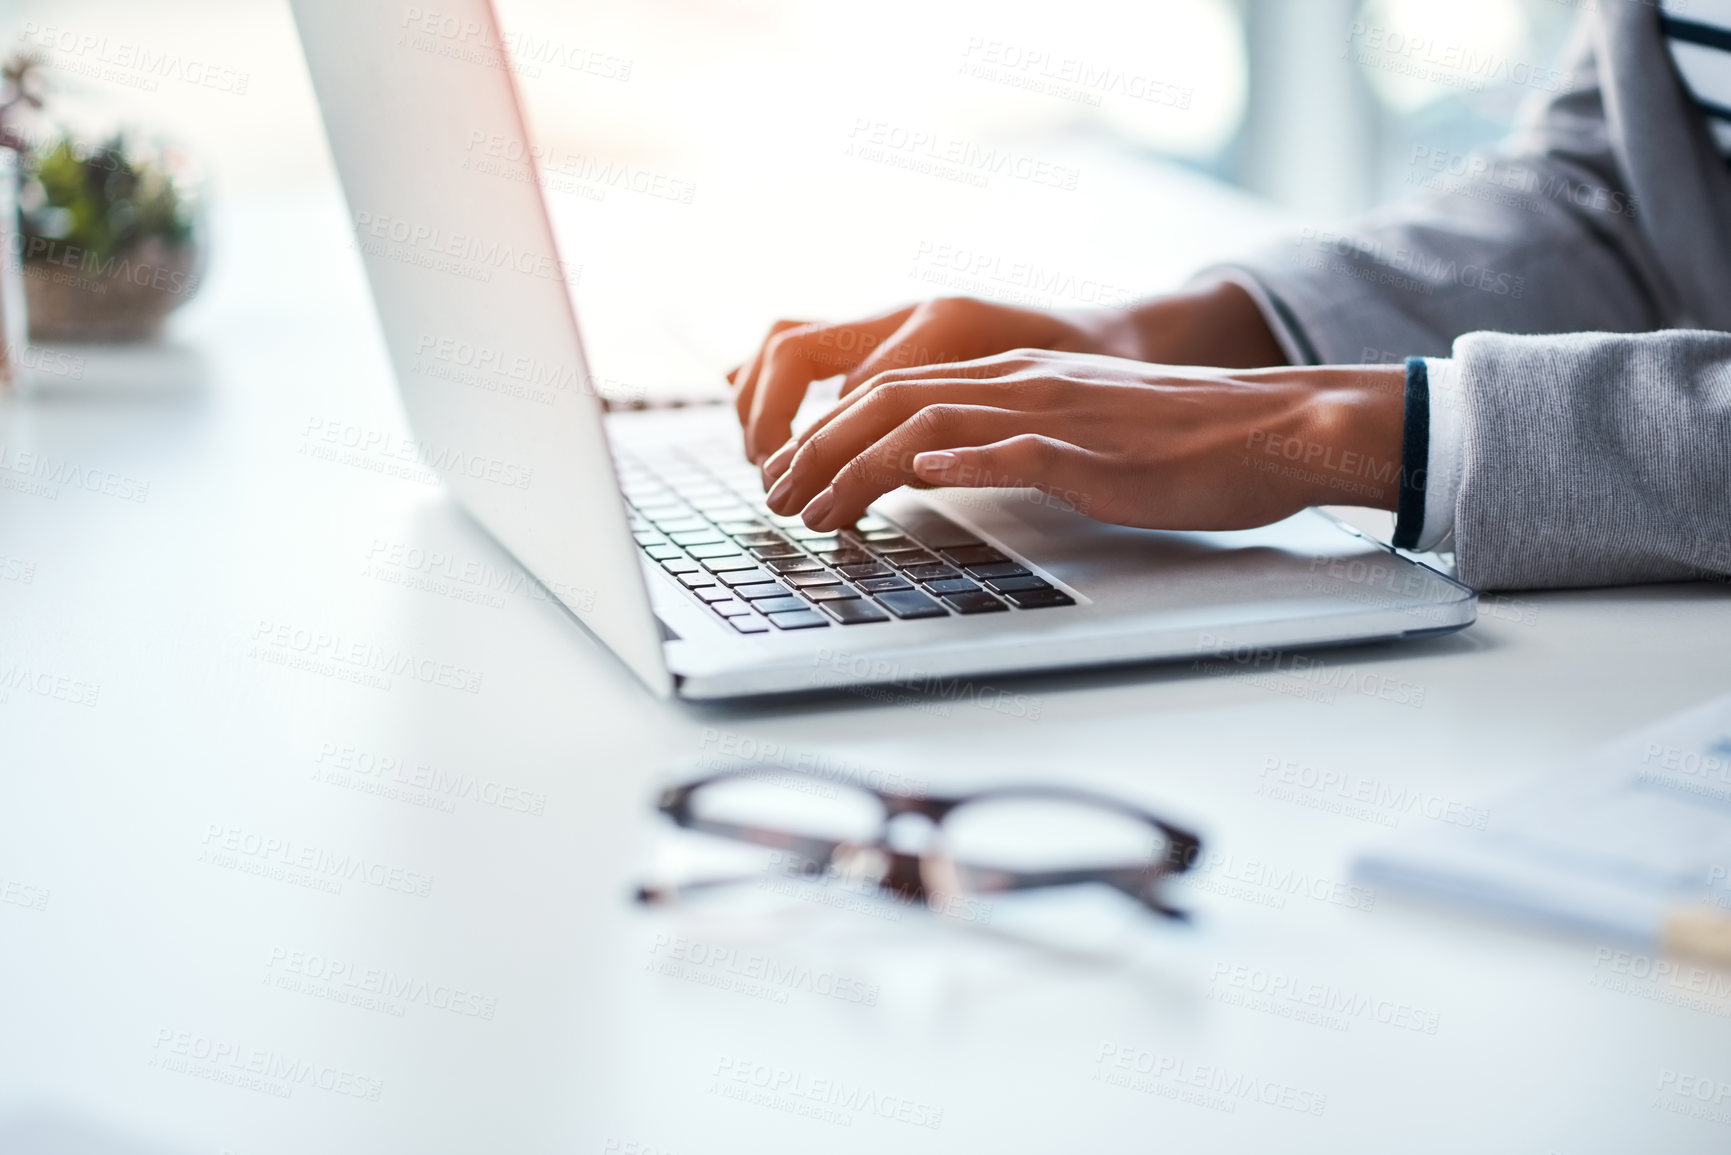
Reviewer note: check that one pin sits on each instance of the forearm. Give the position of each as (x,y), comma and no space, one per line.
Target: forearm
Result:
(1211,324)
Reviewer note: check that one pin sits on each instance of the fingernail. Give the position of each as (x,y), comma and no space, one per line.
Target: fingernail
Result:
(779,494)
(778,462)
(814,514)
(937,464)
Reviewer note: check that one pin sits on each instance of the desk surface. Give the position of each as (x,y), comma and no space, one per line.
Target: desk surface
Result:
(472,977)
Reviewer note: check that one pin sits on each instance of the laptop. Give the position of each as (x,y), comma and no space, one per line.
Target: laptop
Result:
(650,526)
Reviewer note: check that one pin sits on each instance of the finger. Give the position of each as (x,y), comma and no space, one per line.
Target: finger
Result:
(942,331)
(897,381)
(920,341)
(822,453)
(745,376)
(888,464)
(1028,460)
(792,360)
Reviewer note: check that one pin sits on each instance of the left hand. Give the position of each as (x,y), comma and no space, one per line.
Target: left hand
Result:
(1154,446)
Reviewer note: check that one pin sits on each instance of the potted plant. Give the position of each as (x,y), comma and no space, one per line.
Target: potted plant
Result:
(18,89)
(110,234)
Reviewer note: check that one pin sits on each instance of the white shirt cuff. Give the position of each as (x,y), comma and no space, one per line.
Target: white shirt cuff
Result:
(1443,459)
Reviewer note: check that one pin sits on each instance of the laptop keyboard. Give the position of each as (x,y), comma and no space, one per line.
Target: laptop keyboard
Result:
(698,511)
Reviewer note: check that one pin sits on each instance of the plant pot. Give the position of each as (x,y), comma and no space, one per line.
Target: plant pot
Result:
(75,298)
(13,333)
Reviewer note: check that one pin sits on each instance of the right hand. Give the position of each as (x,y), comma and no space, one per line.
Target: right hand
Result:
(1217,325)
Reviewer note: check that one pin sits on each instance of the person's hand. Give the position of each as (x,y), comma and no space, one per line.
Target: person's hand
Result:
(1214,325)
(1159,447)
(772,385)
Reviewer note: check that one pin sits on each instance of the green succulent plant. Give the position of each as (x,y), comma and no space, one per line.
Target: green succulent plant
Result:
(102,200)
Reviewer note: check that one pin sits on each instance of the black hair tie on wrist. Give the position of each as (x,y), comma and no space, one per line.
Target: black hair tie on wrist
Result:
(1414,454)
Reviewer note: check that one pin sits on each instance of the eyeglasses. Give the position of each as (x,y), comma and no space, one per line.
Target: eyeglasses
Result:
(1020,846)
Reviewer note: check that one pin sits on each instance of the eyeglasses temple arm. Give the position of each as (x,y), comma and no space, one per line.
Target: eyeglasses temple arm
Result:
(1135,881)
(817,850)
(663,894)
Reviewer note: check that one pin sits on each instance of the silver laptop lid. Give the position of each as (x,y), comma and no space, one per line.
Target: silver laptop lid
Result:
(473,297)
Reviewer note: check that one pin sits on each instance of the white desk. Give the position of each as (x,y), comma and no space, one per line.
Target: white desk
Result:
(534,1009)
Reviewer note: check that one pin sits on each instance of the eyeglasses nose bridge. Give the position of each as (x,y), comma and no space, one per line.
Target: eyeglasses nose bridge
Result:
(910,832)
(933,809)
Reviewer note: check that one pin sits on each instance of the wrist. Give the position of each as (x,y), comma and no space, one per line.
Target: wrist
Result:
(1330,435)
(1106,331)
(1355,422)
(1216,324)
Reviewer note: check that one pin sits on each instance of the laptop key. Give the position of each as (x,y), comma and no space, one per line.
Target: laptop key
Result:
(679,524)
(766,552)
(713,593)
(751,625)
(712,549)
(681,478)
(778,605)
(731,514)
(732,608)
(854,612)
(728,564)
(664,552)
(788,566)
(807,579)
(679,565)
(1020,585)
(882,585)
(911,604)
(743,577)
(902,558)
(759,537)
(930,573)
(951,586)
(885,541)
(1039,599)
(753,591)
(864,570)
(846,556)
(830,593)
(1003,569)
(978,602)
(742,526)
(649,537)
(972,555)
(697,537)
(798,620)
(696,580)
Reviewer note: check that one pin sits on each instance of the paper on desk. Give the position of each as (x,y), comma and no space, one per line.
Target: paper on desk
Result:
(1631,844)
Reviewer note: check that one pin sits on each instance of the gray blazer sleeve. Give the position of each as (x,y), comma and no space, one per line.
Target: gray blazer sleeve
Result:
(1593,458)
(1589,458)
